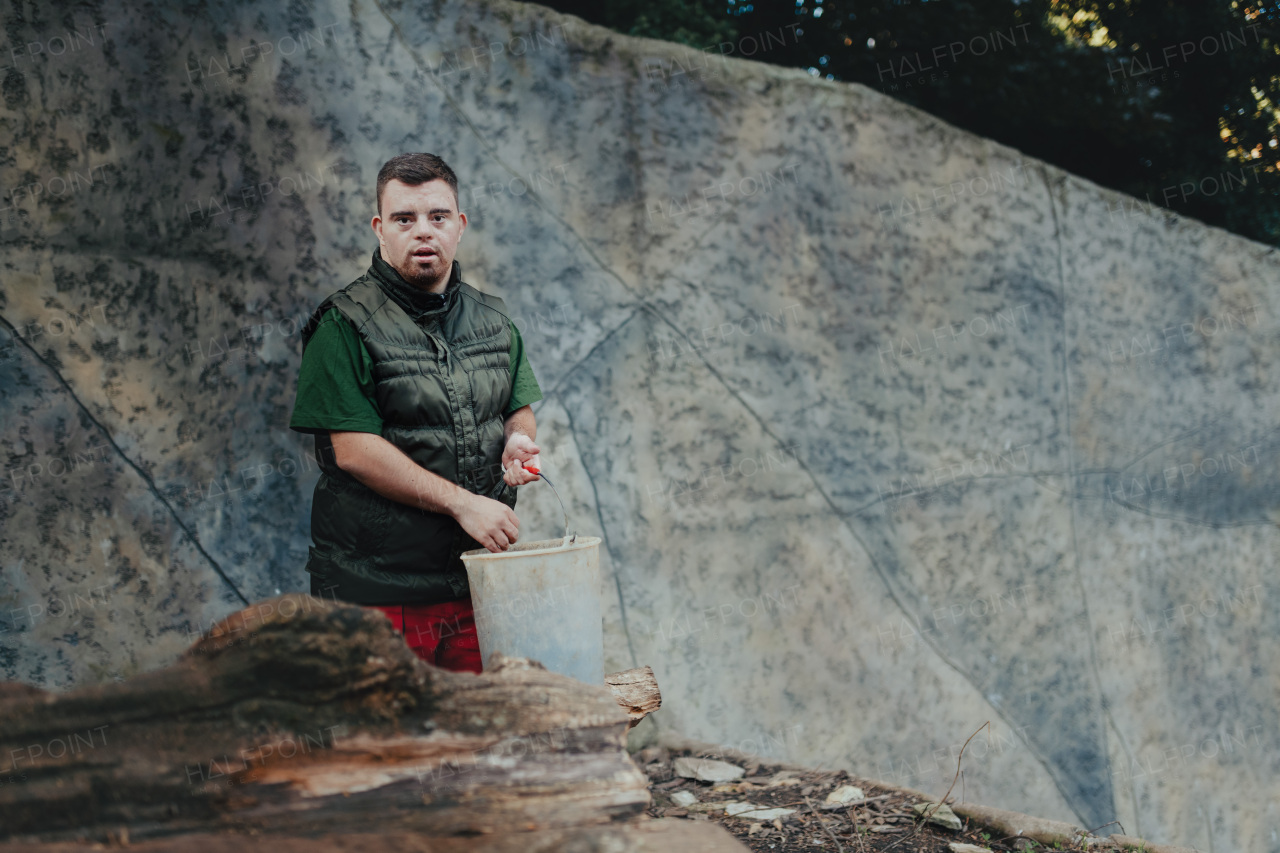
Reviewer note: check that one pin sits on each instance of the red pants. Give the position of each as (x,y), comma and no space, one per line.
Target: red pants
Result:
(443,635)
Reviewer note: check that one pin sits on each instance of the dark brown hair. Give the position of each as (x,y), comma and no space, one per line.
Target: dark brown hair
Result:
(416,169)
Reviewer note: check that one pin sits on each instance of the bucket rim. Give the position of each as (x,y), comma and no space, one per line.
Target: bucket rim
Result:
(530,549)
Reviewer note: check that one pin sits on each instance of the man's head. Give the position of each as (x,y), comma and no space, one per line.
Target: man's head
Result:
(422,225)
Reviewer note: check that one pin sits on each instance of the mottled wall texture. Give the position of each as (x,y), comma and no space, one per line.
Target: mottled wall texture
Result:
(889,430)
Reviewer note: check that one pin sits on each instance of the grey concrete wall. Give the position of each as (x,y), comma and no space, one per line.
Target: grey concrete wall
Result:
(889,430)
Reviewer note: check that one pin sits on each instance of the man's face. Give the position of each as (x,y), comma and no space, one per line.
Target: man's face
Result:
(420,232)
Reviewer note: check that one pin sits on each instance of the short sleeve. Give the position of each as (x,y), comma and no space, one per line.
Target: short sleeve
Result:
(524,385)
(335,382)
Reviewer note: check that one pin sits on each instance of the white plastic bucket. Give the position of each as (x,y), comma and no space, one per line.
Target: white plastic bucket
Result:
(541,600)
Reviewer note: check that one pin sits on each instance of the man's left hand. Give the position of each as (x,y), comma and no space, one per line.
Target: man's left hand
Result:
(520,451)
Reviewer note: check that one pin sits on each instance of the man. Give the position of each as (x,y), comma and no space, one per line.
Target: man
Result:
(418,392)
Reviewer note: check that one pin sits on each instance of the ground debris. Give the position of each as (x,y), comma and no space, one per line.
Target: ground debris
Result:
(785,810)
(845,794)
(684,798)
(707,769)
(939,814)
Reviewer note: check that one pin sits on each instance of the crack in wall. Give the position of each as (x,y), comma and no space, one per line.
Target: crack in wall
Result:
(1133,781)
(146,478)
(894,593)
(1075,493)
(604,531)
(1075,541)
(565,378)
(617,564)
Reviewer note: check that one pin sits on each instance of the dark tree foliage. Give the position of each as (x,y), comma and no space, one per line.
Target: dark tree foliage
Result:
(1175,102)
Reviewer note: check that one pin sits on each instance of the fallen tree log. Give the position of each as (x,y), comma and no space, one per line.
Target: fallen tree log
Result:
(303,717)
(651,836)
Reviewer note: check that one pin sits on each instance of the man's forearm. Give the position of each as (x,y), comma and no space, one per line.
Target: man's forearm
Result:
(521,420)
(383,467)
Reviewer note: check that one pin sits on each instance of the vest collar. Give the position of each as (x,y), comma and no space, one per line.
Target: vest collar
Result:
(416,303)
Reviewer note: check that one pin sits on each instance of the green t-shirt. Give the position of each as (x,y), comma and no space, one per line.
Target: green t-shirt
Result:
(335,383)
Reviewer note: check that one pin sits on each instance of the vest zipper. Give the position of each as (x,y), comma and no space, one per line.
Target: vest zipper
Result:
(440,346)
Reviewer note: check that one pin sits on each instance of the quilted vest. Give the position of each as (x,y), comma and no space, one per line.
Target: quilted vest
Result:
(442,384)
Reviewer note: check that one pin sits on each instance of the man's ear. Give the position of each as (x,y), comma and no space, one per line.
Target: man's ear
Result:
(376,225)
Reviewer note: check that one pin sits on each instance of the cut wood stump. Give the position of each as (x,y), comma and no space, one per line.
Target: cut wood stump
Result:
(636,691)
(303,718)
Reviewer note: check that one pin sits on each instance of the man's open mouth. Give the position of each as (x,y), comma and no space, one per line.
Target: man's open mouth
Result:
(424,253)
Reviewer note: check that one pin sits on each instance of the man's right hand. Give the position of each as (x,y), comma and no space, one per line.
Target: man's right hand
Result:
(491,523)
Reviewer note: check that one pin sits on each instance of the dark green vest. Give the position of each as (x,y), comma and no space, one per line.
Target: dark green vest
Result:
(443,383)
